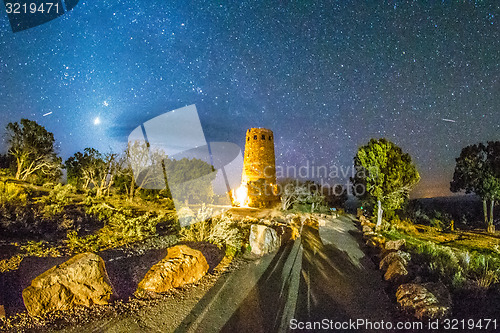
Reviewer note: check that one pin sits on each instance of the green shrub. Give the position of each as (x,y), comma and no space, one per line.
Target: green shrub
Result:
(220,231)
(39,249)
(57,199)
(11,263)
(101,210)
(90,243)
(12,194)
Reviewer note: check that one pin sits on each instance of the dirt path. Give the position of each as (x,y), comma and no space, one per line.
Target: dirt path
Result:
(323,274)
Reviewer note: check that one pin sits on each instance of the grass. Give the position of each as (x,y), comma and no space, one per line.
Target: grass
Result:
(458,259)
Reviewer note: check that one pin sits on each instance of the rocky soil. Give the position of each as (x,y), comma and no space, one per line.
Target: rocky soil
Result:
(126,267)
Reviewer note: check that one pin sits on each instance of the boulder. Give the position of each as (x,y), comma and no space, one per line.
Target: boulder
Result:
(429,300)
(181,266)
(186,216)
(81,280)
(396,272)
(375,241)
(263,239)
(395,245)
(386,261)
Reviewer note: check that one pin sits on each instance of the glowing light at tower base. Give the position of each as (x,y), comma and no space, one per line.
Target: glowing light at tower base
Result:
(240,196)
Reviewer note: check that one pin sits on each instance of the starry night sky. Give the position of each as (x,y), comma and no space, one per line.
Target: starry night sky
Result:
(325,76)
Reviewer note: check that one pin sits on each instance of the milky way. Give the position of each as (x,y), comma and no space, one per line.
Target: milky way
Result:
(324,76)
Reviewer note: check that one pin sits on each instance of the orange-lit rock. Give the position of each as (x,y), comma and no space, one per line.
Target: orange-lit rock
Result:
(181,266)
(82,280)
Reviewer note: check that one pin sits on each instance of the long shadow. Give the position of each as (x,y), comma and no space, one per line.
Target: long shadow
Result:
(262,303)
(125,272)
(333,287)
(261,310)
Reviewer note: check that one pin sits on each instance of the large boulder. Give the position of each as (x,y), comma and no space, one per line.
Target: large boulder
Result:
(181,266)
(81,280)
(428,300)
(263,239)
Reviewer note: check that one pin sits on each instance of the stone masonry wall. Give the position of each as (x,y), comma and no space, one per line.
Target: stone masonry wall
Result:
(259,167)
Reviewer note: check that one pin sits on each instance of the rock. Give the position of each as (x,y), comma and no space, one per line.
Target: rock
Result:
(82,280)
(181,266)
(263,239)
(428,300)
(2,312)
(376,241)
(396,272)
(367,229)
(366,222)
(395,245)
(186,216)
(386,261)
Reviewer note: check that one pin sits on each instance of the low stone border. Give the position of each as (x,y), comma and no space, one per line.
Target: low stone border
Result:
(422,300)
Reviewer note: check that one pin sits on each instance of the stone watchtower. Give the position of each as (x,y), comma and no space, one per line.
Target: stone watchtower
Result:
(259,168)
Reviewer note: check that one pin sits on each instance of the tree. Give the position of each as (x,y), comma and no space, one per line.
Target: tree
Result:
(145,167)
(478,171)
(190,179)
(92,170)
(386,173)
(32,147)
(294,191)
(335,196)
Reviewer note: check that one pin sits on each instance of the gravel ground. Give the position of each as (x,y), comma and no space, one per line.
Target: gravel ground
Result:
(126,268)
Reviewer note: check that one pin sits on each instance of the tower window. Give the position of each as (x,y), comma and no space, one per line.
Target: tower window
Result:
(248,139)
(255,137)
(270,137)
(263,136)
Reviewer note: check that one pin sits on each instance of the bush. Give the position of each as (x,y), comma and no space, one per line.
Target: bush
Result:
(12,194)
(453,266)
(121,226)
(57,199)
(220,231)
(40,249)
(10,264)
(90,243)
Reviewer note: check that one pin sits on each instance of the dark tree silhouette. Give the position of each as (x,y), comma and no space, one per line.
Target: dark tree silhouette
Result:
(478,171)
